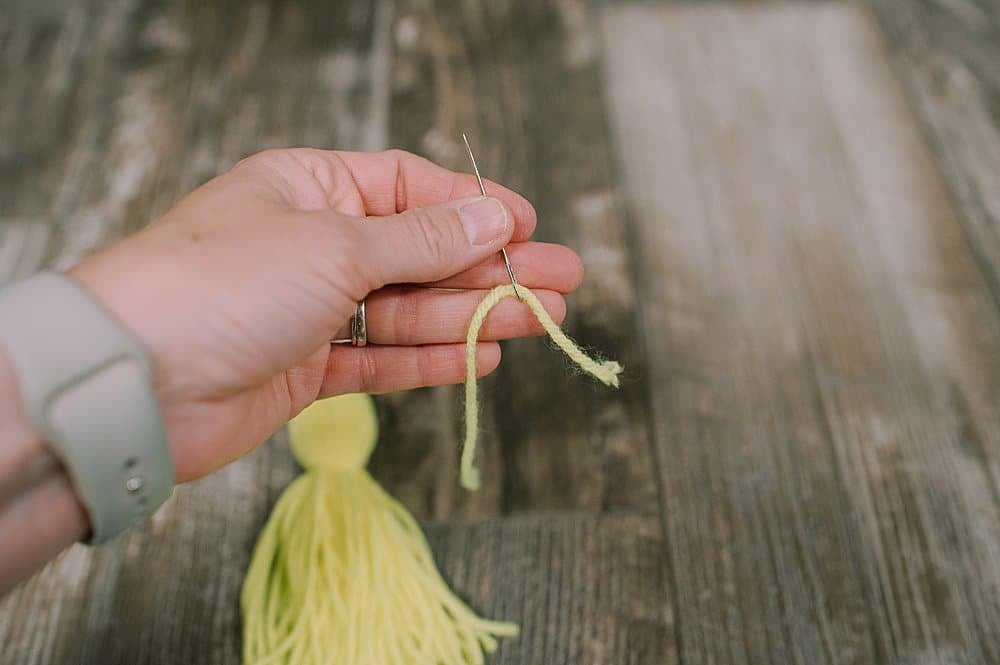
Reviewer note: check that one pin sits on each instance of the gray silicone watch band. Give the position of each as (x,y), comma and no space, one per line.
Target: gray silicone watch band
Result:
(87,389)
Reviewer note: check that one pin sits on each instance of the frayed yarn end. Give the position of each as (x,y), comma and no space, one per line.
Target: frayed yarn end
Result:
(605,371)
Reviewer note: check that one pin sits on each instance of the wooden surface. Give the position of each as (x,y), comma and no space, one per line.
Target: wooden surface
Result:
(788,213)
(822,350)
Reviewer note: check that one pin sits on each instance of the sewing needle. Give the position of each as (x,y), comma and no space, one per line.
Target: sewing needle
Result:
(482,188)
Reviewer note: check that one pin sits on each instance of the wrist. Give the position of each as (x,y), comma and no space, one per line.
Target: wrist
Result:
(40,513)
(119,460)
(129,305)
(23,456)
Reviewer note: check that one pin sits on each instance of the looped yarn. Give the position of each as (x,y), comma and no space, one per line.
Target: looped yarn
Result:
(605,371)
(342,572)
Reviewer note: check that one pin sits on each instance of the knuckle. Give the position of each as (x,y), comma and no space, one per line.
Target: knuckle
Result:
(432,238)
(557,309)
(367,371)
(406,315)
(351,246)
(397,157)
(272,153)
(353,275)
(271,165)
(396,154)
(264,157)
(424,367)
(336,256)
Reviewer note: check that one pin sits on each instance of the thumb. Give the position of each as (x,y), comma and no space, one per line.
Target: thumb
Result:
(429,244)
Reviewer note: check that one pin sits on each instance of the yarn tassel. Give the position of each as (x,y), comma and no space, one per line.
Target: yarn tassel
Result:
(342,572)
(606,371)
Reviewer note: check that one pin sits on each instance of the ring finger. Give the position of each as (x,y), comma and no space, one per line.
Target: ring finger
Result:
(412,315)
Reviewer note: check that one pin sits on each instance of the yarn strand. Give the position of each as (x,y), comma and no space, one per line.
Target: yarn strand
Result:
(605,371)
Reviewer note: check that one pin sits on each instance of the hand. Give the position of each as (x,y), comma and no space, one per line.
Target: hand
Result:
(237,290)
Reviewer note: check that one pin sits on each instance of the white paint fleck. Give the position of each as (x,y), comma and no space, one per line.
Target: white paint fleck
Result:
(65,52)
(342,72)
(375,132)
(593,207)
(972,15)
(407,32)
(166,34)
(440,148)
(884,432)
(580,46)
(160,520)
(22,247)
(74,567)
(601,249)
(129,162)
(254,39)
(609,263)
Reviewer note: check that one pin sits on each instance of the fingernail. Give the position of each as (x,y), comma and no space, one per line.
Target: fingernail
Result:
(484,220)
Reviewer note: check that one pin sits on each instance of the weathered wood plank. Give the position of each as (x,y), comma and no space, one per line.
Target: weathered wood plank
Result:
(948,52)
(587,589)
(822,350)
(123,106)
(822,346)
(153,99)
(522,79)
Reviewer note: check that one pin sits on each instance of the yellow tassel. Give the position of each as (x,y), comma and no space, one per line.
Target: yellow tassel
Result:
(342,572)
(604,371)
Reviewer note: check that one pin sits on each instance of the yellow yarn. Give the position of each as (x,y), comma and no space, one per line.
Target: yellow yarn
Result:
(604,371)
(342,572)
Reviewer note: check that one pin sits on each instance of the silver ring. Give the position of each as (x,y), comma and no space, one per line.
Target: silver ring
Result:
(359,327)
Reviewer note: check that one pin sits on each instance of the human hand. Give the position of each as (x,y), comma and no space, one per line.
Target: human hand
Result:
(237,290)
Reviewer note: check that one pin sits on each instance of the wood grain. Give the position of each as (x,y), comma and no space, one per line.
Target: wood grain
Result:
(585,588)
(522,79)
(948,52)
(802,465)
(124,106)
(820,343)
(154,99)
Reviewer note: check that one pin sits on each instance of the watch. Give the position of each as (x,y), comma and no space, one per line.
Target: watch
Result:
(86,384)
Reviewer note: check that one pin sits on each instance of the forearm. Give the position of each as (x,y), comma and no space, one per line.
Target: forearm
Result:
(39,512)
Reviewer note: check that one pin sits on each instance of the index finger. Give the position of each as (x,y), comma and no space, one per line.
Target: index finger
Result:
(395,180)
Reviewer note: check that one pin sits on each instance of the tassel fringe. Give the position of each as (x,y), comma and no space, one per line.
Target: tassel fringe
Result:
(343,574)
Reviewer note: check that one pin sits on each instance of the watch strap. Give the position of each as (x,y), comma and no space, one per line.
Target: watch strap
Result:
(86,386)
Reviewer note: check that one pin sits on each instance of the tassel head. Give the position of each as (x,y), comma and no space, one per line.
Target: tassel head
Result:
(335,434)
(342,572)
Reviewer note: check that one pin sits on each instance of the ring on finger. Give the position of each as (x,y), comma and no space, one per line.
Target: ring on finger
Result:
(359,328)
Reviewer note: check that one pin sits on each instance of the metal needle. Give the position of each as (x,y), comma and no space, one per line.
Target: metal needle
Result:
(482,188)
